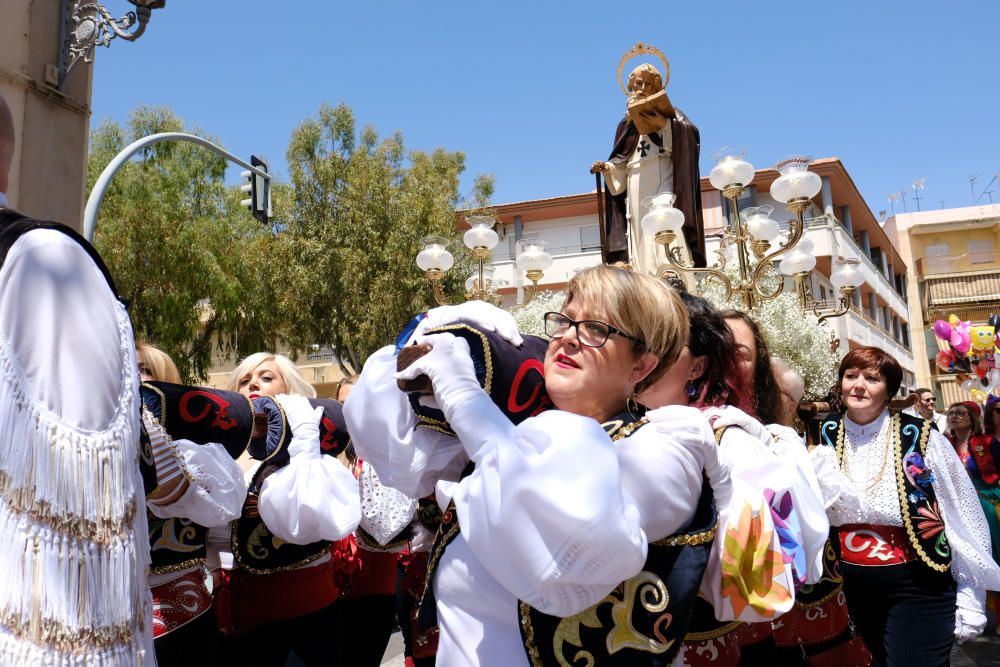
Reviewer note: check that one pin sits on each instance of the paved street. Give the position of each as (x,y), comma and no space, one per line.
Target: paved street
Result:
(981,652)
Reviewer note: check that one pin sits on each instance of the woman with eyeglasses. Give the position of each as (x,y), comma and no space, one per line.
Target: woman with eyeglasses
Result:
(914,547)
(561,544)
(774,520)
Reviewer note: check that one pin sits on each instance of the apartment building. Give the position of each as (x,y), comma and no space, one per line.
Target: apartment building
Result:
(956,270)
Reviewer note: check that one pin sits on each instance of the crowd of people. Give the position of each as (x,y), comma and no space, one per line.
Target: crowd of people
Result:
(637,488)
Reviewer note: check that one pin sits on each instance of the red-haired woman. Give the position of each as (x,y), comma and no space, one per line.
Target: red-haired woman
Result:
(915,549)
(772,527)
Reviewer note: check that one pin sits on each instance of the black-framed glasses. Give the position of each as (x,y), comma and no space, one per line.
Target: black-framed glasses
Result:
(957,413)
(592,333)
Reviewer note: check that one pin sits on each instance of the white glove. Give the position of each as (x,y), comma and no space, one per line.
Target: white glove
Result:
(969,617)
(718,477)
(449,366)
(469,410)
(480,313)
(304,421)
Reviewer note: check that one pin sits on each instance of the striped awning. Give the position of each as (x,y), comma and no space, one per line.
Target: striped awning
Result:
(963,289)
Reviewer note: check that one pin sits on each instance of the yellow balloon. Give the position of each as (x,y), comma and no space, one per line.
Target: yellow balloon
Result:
(953,320)
(978,395)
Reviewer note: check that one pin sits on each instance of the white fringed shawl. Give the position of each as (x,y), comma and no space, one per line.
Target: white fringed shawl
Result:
(74,546)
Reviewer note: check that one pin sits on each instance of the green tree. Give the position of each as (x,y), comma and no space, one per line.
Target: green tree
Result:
(360,208)
(195,268)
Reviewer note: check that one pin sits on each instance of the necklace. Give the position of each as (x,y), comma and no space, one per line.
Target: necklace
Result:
(886,448)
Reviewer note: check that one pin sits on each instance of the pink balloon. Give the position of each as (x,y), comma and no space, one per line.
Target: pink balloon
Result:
(942,329)
(961,340)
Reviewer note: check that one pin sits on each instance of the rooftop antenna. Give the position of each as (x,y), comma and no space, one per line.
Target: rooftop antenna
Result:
(893,198)
(941,201)
(902,194)
(972,187)
(987,189)
(918,185)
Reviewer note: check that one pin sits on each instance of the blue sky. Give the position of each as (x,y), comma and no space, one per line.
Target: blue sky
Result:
(527,90)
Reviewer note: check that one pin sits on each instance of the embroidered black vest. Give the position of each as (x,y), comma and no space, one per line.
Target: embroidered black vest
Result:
(918,505)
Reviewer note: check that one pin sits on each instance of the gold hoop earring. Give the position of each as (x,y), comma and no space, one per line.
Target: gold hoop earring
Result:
(635,409)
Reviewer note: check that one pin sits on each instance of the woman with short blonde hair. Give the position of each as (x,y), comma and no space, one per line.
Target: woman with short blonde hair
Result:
(544,518)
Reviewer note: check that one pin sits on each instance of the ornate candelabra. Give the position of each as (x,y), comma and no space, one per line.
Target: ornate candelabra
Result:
(846,278)
(751,232)
(93,25)
(435,260)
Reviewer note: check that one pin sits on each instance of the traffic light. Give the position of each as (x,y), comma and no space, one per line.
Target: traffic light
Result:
(259,189)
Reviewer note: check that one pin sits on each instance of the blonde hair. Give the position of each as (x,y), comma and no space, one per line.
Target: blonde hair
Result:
(294,381)
(640,305)
(158,363)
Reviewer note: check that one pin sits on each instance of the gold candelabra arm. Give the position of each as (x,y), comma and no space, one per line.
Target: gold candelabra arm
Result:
(531,290)
(434,277)
(797,207)
(676,266)
(845,304)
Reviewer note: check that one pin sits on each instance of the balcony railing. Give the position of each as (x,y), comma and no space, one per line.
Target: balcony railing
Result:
(973,313)
(965,263)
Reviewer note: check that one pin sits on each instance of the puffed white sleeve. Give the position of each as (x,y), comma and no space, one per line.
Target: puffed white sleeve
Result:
(309,500)
(968,534)
(840,497)
(545,513)
(661,468)
(216,488)
(384,431)
(75,332)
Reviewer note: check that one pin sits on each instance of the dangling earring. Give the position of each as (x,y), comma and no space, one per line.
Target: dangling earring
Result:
(691,389)
(635,409)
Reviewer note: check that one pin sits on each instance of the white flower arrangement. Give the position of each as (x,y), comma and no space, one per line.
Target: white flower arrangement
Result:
(798,338)
(529,317)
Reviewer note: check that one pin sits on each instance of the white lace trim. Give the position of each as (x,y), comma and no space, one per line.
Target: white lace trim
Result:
(385,512)
(866,455)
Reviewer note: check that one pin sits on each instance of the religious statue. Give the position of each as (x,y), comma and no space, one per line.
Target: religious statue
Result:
(655,150)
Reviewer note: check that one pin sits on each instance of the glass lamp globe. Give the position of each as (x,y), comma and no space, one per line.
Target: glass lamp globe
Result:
(796,181)
(731,168)
(435,255)
(480,233)
(662,216)
(797,262)
(848,274)
(759,223)
(531,255)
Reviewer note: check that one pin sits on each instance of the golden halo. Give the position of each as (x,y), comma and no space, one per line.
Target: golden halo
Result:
(638,50)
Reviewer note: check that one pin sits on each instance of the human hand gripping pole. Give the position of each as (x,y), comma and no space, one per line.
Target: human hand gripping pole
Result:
(470,411)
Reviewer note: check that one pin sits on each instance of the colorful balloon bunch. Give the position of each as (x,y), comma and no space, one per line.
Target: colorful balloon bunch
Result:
(971,352)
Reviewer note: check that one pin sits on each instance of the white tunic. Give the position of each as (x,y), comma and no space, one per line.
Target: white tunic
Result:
(554,514)
(72,512)
(648,172)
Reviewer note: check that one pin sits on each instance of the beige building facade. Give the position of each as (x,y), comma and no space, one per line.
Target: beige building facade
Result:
(49,171)
(956,270)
